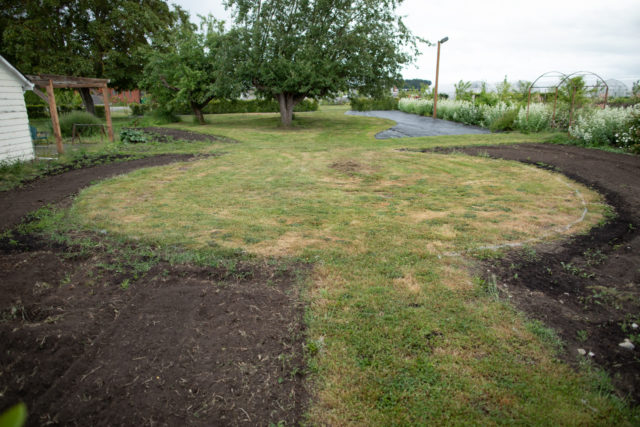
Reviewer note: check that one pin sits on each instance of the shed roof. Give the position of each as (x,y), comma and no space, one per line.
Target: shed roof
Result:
(26,84)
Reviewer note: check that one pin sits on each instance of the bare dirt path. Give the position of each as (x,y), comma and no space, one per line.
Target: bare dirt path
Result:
(588,287)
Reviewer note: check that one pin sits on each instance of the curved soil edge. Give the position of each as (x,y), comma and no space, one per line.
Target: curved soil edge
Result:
(587,287)
(113,332)
(20,201)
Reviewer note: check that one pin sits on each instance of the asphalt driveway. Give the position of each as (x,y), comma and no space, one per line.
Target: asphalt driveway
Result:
(409,125)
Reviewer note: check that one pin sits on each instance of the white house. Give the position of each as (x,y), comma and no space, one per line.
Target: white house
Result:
(15,137)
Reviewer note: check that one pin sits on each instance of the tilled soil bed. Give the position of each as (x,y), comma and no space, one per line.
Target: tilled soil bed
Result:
(160,134)
(87,340)
(587,287)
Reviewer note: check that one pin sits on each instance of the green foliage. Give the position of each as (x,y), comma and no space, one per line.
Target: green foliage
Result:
(623,101)
(629,138)
(368,104)
(78,117)
(539,119)
(506,122)
(138,109)
(321,48)
(133,136)
(163,117)
(91,38)
(504,90)
(415,83)
(37,111)
(16,416)
(463,90)
(573,90)
(99,111)
(226,106)
(194,67)
(42,111)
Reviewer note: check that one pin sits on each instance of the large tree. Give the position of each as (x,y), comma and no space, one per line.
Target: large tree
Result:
(193,67)
(91,38)
(316,48)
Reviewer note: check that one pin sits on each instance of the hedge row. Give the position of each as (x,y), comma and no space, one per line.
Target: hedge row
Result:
(368,104)
(229,106)
(42,111)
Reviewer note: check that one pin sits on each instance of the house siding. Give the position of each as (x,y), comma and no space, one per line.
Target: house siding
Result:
(15,137)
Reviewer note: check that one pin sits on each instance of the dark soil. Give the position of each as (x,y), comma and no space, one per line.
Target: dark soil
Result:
(66,180)
(86,343)
(160,134)
(588,287)
(99,336)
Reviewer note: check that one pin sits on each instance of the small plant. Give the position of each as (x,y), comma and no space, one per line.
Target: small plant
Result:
(582,335)
(133,136)
(16,416)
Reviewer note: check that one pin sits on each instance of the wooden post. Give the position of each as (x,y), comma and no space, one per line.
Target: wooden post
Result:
(55,122)
(573,97)
(555,102)
(107,111)
(435,92)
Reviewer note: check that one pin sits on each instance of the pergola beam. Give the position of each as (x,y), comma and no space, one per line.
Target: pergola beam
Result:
(66,82)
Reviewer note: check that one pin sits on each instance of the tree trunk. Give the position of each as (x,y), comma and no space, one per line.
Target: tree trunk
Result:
(287,101)
(87,100)
(197,111)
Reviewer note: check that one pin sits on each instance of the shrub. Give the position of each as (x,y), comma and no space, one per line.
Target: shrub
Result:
(232,106)
(67,121)
(505,122)
(539,119)
(602,127)
(423,107)
(630,139)
(37,111)
(162,117)
(138,109)
(368,104)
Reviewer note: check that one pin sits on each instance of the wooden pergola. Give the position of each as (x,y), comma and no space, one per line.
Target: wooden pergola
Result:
(51,81)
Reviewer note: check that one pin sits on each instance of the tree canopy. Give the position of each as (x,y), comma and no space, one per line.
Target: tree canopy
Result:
(193,67)
(315,48)
(91,38)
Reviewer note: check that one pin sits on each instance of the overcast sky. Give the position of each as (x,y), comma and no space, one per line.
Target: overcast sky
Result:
(489,39)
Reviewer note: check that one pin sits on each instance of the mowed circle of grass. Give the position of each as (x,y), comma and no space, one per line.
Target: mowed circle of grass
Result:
(399,331)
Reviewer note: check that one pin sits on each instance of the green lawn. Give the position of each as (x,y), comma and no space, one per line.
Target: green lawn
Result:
(399,331)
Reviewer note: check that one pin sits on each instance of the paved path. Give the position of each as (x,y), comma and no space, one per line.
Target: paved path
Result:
(408,125)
